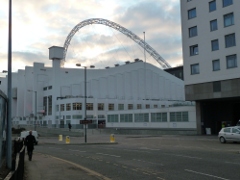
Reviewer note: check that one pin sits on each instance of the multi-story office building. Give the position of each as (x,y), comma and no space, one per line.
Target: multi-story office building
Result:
(211,41)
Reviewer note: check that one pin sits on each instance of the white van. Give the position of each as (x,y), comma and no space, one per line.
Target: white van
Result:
(24,134)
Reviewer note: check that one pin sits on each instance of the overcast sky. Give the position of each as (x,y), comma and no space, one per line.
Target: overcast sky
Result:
(38,25)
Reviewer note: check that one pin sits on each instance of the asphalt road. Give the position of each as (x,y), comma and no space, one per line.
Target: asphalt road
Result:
(148,157)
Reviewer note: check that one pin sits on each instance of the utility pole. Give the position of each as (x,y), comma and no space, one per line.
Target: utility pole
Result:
(9,105)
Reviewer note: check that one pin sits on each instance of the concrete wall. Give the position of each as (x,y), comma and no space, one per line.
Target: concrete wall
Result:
(229,88)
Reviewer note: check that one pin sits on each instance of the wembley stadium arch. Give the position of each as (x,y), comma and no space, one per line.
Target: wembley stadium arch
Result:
(121,29)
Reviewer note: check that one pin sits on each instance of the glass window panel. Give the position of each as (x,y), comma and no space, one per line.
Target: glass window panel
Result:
(231,61)
(192,13)
(216,65)
(213,25)
(212,6)
(215,45)
(228,19)
(230,40)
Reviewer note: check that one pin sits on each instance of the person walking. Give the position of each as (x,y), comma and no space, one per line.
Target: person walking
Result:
(69,126)
(29,142)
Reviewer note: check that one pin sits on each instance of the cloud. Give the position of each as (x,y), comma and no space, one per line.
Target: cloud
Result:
(42,24)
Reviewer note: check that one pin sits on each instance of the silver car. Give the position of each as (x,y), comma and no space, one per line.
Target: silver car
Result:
(229,134)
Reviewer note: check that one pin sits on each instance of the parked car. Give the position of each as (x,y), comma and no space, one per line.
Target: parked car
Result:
(24,134)
(229,134)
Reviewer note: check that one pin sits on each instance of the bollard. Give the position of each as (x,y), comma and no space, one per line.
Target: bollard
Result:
(67,140)
(60,138)
(112,138)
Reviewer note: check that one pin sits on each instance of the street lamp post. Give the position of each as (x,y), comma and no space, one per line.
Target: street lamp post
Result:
(85,98)
(35,109)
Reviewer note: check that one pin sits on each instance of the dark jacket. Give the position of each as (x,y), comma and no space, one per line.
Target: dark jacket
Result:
(29,142)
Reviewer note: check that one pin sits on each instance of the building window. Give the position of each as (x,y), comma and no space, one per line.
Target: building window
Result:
(213,25)
(141,117)
(230,40)
(45,104)
(179,117)
(68,107)
(195,69)
(49,87)
(126,118)
(120,106)
(155,106)
(77,106)
(228,19)
(89,106)
(216,65)
(113,118)
(231,61)
(68,116)
(130,106)
(62,107)
(49,105)
(111,107)
(45,88)
(192,13)
(100,106)
(217,86)
(212,6)
(147,106)
(193,31)
(227,3)
(101,116)
(77,116)
(139,106)
(193,50)
(215,45)
(158,117)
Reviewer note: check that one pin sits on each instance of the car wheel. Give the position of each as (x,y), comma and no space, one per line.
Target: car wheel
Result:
(222,140)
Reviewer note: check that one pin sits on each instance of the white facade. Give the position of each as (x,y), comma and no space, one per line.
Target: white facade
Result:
(205,35)
(121,96)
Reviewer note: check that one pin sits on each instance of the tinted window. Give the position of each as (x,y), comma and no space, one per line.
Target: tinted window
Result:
(227,130)
(212,5)
(234,130)
(192,13)
(228,19)
(213,25)
(227,2)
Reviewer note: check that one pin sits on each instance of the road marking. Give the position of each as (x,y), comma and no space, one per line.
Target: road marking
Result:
(54,148)
(191,157)
(135,150)
(146,148)
(205,174)
(91,172)
(75,150)
(232,163)
(109,155)
(147,162)
(160,178)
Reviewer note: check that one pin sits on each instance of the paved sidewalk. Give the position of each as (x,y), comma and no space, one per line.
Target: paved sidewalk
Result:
(50,168)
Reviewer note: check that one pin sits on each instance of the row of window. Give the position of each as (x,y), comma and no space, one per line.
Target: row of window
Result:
(192,13)
(79,117)
(100,106)
(228,20)
(231,62)
(144,117)
(230,41)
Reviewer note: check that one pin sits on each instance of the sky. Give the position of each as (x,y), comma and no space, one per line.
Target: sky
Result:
(38,25)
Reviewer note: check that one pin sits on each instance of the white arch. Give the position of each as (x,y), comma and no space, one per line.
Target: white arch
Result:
(121,29)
